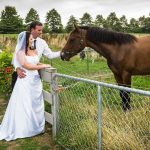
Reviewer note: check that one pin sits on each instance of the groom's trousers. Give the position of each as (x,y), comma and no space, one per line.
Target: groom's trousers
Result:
(14,78)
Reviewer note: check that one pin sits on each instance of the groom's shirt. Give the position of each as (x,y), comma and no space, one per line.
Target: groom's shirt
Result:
(42,49)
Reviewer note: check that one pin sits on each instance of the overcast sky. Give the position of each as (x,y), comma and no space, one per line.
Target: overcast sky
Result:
(66,8)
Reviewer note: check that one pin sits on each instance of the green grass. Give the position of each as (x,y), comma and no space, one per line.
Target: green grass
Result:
(141,82)
(33,143)
(98,70)
(77,127)
(77,67)
(8,35)
(78,114)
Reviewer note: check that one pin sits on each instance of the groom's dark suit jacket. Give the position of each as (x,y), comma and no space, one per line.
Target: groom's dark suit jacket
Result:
(14,78)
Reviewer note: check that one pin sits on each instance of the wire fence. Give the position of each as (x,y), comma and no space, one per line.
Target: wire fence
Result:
(90,116)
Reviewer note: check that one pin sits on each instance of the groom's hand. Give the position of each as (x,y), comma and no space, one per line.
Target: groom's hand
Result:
(20,73)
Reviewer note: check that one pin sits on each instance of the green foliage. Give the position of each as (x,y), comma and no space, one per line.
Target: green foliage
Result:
(3,146)
(112,22)
(5,72)
(10,21)
(53,19)
(99,21)
(134,26)
(146,25)
(70,23)
(86,19)
(124,24)
(45,28)
(32,15)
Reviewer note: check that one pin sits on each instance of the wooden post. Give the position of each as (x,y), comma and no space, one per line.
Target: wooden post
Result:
(48,75)
(54,86)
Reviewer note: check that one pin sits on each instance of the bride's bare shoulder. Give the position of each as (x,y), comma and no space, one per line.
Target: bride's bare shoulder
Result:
(21,52)
(36,52)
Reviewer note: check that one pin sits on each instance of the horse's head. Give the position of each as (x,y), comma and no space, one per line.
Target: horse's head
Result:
(75,44)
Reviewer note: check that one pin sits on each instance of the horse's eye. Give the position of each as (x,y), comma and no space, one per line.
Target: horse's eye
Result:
(71,40)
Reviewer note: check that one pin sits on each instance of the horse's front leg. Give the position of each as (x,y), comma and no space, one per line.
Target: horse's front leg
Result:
(125,96)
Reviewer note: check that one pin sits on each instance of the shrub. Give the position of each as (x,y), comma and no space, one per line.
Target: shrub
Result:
(6,70)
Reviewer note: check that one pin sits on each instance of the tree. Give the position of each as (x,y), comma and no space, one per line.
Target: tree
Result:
(53,19)
(10,21)
(147,25)
(86,20)
(134,26)
(144,23)
(99,21)
(112,22)
(32,15)
(45,28)
(123,23)
(70,23)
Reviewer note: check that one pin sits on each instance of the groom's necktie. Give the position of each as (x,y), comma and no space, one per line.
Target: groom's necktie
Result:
(34,44)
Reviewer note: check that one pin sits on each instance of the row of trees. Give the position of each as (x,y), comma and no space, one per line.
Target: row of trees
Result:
(11,22)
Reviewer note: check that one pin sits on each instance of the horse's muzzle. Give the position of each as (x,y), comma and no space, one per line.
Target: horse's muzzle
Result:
(63,57)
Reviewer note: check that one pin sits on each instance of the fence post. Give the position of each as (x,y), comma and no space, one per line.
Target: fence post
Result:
(99,118)
(54,101)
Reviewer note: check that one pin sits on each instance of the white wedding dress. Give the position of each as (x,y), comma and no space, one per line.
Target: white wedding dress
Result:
(24,115)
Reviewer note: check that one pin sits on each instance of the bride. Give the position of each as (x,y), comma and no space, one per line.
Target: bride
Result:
(24,116)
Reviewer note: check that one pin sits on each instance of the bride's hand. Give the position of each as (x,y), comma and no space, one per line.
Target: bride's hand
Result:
(46,66)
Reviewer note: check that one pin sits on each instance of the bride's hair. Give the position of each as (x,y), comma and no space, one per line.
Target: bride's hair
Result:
(21,47)
(27,41)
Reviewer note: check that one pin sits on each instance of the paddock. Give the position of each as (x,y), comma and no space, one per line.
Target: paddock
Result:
(87,114)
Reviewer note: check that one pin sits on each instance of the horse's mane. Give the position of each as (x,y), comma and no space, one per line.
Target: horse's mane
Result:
(96,34)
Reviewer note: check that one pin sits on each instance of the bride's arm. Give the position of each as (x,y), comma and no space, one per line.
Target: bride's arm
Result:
(39,63)
(29,66)
(21,58)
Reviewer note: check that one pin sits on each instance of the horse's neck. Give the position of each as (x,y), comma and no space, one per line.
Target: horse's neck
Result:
(102,49)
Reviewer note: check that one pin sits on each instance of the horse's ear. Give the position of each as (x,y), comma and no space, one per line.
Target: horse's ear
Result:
(76,27)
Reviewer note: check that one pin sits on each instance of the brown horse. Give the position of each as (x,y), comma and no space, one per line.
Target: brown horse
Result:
(126,55)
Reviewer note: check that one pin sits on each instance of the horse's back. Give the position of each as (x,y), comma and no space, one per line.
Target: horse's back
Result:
(142,45)
(144,40)
(141,55)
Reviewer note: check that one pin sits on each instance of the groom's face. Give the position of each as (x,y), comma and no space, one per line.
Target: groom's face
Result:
(37,31)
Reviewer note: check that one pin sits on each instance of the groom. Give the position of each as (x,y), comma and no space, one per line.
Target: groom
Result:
(40,45)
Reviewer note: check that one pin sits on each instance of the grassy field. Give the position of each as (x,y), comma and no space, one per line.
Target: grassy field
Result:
(97,71)
(78,110)
(78,120)
(78,125)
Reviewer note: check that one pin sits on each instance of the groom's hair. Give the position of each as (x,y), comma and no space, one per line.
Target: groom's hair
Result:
(34,24)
